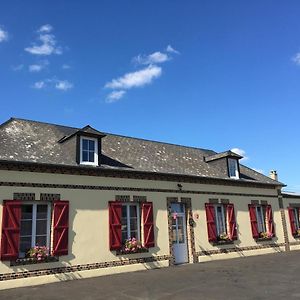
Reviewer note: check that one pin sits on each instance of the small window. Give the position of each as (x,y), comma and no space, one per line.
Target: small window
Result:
(130,221)
(88,151)
(261,218)
(35,227)
(296,217)
(233,168)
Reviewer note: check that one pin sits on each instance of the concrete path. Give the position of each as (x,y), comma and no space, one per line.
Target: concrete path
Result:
(274,276)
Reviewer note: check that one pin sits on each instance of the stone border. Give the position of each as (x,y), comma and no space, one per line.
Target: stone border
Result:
(239,249)
(120,188)
(190,229)
(77,268)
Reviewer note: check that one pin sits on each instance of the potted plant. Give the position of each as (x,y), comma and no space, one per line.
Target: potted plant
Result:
(38,253)
(132,245)
(265,235)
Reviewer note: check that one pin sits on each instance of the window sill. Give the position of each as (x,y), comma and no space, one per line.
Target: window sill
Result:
(296,236)
(264,239)
(123,252)
(31,261)
(222,242)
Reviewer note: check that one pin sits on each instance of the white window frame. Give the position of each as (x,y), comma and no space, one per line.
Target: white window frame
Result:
(224,221)
(233,162)
(261,218)
(128,219)
(33,222)
(82,162)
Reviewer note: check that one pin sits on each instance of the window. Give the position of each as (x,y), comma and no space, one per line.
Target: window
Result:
(294,214)
(221,223)
(88,151)
(233,168)
(130,221)
(35,227)
(261,218)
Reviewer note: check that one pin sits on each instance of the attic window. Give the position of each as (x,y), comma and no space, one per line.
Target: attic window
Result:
(233,169)
(88,151)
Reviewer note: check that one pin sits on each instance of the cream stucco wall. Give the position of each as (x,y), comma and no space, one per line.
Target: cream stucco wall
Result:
(88,228)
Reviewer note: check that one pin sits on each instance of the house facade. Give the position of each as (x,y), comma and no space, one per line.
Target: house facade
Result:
(99,203)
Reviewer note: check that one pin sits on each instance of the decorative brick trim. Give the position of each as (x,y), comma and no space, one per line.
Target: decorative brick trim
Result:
(102,172)
(122,198)
(238,249)
(190,229)
(295,243)
(76,268)
(119,188)
(24,196)
(49,197)
(139,199)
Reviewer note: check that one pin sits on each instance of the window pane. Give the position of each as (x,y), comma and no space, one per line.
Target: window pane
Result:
(91,156)
(41,227)
(26,212)
(41,212)
(232,166)
(41,240)
(124,236)
(133,224)
(85,144)
(124,211)
(133,211)
(85,155)
(174,236)
(25,244)
(26,228)
(177,208)
(91,145)
(133,234)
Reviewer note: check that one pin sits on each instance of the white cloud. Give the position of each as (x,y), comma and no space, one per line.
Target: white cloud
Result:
(154,58)
(170,49)
(47,45)
(3,35)
(135,79)
(38,67)
(45,28)
(115,96)
(63,85)
(65,67)
(240,152)
(39,85)
(17,67)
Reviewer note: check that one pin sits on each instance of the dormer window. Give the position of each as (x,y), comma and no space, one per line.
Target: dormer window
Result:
(233,169)
(88,151)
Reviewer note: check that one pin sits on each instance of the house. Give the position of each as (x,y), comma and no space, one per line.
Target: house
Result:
(83,194)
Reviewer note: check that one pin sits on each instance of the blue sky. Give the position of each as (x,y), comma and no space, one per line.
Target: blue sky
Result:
(210,74)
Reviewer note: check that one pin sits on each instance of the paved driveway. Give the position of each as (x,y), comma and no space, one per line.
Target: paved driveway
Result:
(274,276)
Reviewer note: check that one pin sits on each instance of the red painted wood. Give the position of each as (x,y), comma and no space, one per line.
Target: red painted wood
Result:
(231,221)
(270,223)
(292,220)
(60,227)
(115,225)
(10,239)
(211,224)
(147,210)
(253,220)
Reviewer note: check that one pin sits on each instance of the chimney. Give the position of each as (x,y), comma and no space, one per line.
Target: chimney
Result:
(273,175)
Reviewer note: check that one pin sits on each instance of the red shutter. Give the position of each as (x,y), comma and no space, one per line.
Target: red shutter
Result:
(270,220)
(231,221)
(253,220)
(10,238)
(115,225)
(211,224)
(292,220)
(60,227)
(147,209)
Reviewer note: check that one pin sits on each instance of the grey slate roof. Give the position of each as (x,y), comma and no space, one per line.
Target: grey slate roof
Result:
(31,141)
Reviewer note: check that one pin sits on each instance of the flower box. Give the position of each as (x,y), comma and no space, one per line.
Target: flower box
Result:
(30,261)
(132,246)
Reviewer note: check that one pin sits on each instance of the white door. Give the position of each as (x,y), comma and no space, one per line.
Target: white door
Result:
(179,233)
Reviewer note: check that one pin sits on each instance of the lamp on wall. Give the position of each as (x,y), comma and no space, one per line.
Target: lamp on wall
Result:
(179,186)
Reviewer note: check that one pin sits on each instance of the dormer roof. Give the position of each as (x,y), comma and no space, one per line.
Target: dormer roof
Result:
(228,154)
